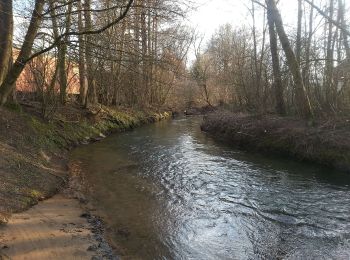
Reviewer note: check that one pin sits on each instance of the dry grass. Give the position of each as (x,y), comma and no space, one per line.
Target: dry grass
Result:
(33,151)
(326,141)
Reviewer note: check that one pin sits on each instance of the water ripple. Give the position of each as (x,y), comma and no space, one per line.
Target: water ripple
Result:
(183,196)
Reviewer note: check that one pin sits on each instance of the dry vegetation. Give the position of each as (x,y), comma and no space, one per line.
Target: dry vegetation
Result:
(32,161)
(326,141)
(299,69)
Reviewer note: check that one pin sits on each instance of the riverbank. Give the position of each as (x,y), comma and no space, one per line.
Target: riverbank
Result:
(57,228)
(326,142)
(33,151)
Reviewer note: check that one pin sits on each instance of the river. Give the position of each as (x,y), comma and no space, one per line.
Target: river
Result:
(169,191)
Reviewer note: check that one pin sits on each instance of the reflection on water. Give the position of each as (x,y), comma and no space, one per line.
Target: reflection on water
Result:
(171,192)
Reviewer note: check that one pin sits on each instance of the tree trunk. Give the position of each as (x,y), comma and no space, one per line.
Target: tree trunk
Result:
(92,95)
(302,99)
(82,62)
(329,60)
(119,62)
(62,50)
(6,35)
(144,50)
(63,58)
(306,69)
(298,42)
(280,105)
(257,78)
(341,6)
(9,82)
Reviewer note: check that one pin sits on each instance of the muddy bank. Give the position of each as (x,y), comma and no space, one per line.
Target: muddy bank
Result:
(33,151)
(33,167)
(326,142)
(57,228)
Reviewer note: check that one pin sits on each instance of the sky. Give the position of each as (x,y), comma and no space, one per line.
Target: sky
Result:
(210,14)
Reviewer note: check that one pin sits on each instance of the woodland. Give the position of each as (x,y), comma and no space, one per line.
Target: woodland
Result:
(135,53)
(73,72)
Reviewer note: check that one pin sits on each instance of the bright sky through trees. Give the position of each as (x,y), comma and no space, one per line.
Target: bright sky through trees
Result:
(210,14)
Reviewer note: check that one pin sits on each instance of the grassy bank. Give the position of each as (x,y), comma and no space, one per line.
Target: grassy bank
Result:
(326,142)
(33,150)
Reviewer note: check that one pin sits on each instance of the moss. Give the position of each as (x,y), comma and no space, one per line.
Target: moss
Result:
(25,170)
(60,134)
(14,106)
(29,201)
(35,194)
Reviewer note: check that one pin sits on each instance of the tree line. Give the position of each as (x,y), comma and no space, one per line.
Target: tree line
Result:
(134,53)
(125,52)
(265,68)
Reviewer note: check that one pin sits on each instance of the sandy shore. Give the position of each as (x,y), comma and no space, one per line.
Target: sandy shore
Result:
(58,228)
(33,167)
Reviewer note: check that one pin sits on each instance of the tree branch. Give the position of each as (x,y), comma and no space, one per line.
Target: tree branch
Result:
(58,39)
(345,31)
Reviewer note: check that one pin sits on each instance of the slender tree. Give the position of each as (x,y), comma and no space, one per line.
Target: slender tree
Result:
(280,104)
(82,61)
(9,81)
(6,35)
(298,40)
(302,99)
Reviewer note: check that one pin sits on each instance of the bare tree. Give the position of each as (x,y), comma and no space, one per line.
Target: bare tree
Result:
(25,54)
(302,98)
(9,81)
(6,35)
(280,104)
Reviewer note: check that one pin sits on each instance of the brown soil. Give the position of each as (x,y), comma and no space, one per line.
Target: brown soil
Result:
(325,141)
(33,168)
(53,229)
(24,164)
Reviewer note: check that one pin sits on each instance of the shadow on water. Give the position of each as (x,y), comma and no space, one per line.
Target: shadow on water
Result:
(170,192)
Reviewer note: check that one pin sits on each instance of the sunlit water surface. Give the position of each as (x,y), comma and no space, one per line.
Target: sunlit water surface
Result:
(170,192)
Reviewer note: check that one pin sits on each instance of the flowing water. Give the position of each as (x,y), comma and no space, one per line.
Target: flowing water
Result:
(169,191)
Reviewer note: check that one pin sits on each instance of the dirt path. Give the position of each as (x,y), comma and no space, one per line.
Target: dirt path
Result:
(53,229)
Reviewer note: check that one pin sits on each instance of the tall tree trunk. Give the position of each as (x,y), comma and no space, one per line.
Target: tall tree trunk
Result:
(83,90)
(149,50)
(280,104)
(137,23)
(154,65)
(298,42)
(302,99)
(261,68)
(62,50)
(8,84)
(145,56)
(306,70)
(119,62)
(6,35)
(341,6)
(92,95)
(63,58)
(329,60)
(256,63)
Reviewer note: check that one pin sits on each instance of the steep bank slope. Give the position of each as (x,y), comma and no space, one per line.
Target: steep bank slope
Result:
(326,142)
(32,151)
